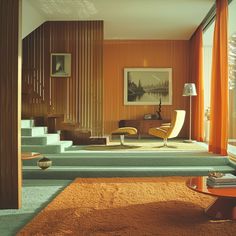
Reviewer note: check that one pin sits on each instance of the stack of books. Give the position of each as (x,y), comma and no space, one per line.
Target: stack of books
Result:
(225,181)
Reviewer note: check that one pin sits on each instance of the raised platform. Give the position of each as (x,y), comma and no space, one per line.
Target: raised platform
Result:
(137,158)
(128,164)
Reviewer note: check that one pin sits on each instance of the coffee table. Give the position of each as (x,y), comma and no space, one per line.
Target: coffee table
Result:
(224,207)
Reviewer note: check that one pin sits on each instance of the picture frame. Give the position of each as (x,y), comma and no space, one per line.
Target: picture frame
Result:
(147,86)
(60,65)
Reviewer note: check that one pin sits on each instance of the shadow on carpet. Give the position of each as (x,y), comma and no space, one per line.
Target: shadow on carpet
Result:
(128,206)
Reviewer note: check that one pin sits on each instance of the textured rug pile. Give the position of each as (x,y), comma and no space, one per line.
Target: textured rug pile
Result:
(128,206)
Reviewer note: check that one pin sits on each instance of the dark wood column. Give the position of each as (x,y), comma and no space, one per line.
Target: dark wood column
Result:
(10,104)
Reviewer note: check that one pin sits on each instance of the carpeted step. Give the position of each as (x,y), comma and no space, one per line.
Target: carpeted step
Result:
(57,147)
(33,131)
(40,140)
(146,159)
(68,172)
(131,153)
(27,123)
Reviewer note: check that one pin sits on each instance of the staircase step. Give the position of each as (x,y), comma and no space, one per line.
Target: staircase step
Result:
(33,131)
(40,140)
(68,172)
(47,149)
(27,123)
(83,159)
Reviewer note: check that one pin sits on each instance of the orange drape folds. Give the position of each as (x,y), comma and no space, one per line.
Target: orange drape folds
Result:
(196,59)
(219,83)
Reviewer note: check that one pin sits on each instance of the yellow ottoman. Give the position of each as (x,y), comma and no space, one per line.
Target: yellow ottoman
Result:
(124,131)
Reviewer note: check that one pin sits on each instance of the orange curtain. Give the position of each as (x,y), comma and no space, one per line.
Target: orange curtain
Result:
(196,76)
(219,82)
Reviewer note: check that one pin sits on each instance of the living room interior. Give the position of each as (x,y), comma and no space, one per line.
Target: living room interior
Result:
(71,108)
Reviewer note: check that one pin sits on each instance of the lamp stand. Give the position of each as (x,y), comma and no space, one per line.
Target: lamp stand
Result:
(190,122)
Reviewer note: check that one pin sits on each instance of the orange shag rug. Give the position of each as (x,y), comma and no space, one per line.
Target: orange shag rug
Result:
(128,206)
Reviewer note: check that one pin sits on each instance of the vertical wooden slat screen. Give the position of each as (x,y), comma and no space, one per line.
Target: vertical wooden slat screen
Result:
(78,97)
(10,104)
(34,81)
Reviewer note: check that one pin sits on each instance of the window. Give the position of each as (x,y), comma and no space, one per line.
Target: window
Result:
(207,63)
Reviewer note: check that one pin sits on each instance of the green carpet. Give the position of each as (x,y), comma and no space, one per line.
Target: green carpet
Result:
(143,145)
(89,161)
(111,147)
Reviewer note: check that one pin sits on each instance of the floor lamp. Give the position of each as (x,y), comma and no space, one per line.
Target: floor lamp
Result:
(190,90)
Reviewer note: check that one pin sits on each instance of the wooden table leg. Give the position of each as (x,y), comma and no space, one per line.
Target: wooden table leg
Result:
(222,208)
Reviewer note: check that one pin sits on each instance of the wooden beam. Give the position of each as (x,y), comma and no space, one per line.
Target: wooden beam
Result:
(10,104)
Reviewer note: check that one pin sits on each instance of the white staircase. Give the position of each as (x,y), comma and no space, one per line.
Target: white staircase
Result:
(36,139)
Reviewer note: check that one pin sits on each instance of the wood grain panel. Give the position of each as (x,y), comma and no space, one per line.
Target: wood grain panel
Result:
(78,97)
(34,80)
(10,82)
(120,54)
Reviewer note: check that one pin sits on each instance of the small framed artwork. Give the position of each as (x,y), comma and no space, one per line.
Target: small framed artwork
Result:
(60,64)
(147,86)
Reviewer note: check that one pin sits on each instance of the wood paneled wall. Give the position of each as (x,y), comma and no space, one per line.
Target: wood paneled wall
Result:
(10,82)
(120,54)
(79,97)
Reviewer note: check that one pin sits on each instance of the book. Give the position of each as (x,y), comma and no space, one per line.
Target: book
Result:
(220,185)
(227,178)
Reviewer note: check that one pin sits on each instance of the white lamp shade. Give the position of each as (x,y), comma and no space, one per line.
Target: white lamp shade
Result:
(189,89)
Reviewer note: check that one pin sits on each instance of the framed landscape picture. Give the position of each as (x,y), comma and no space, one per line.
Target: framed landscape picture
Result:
(147,86)
(60,64)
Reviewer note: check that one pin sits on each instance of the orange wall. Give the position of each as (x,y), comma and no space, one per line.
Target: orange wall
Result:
(120,54)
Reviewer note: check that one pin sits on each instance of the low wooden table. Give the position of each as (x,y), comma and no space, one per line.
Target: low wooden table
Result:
(224,207)
(30,155)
